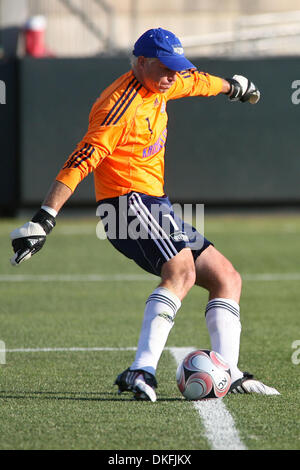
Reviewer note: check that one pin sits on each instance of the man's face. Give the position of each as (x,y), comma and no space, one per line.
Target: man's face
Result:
(154,75)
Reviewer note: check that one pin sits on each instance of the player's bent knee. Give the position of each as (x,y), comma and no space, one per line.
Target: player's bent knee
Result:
(179,274)
(229,277)
(231,284)
(236,279)
(216,274)
(189,278)
(184,276)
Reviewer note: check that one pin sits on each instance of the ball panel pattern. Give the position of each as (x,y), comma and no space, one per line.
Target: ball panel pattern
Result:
(203,374)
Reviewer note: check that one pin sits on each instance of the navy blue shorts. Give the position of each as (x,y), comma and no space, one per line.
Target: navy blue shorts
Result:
(146,229)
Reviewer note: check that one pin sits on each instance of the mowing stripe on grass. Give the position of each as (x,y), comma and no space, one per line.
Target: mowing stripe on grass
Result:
(219,425)
(128,277)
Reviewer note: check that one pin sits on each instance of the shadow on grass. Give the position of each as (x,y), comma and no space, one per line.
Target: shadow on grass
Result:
(73,396)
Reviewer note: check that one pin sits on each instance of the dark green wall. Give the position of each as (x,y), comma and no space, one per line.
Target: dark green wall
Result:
(237,152)
(218,152)
(56,98)
(9,193)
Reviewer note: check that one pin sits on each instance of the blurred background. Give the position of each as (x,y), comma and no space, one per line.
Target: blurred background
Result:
(56,56)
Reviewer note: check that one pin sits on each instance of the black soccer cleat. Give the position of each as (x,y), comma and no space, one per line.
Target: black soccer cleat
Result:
(140,382)
(247,384)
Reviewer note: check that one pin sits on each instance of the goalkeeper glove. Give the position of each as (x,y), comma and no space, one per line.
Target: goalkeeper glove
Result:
(30,238)
(242,90)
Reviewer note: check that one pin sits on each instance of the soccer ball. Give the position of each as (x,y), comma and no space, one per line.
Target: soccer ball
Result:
(203,374)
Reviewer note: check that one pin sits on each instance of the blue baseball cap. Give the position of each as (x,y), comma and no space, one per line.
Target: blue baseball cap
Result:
(165,46)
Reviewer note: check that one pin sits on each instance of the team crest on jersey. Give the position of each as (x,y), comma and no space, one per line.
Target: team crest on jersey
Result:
(156,103)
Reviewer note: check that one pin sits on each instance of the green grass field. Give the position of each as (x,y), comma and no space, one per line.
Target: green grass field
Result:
(65,399)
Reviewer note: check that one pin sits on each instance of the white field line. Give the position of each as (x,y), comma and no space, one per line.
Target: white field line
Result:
(272,277)
(37,350)
(75,277)
(219,425)
(261,277)
(92,230)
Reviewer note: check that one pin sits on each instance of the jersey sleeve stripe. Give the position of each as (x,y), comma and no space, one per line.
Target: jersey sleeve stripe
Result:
(105,121)
(127,105)
(91,151)
(73,157)
(79,156)
(122,103)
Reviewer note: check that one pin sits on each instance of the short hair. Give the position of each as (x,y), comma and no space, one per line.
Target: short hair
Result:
(134,59)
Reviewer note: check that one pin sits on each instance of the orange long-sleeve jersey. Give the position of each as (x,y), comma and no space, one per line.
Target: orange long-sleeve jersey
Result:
(125,143)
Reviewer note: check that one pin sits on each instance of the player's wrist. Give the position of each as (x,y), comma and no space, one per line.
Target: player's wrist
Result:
(50,210)
(235,89)
(45,218)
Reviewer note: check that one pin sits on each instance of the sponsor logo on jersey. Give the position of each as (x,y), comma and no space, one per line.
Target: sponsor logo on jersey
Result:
(157,146)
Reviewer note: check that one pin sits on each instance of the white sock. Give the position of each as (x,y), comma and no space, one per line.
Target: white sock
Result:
(224,327)
(159,315)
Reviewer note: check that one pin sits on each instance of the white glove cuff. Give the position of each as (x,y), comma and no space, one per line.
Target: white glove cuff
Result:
(50,211)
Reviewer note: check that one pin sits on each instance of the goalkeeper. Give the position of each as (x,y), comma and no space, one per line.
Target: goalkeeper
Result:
(124,147)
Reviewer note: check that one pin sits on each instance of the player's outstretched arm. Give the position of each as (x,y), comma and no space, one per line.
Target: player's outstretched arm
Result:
(30,238)
(242,89)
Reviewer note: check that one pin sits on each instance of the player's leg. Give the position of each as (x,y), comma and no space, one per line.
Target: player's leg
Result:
(178,276)
(216,274)
(175,264)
